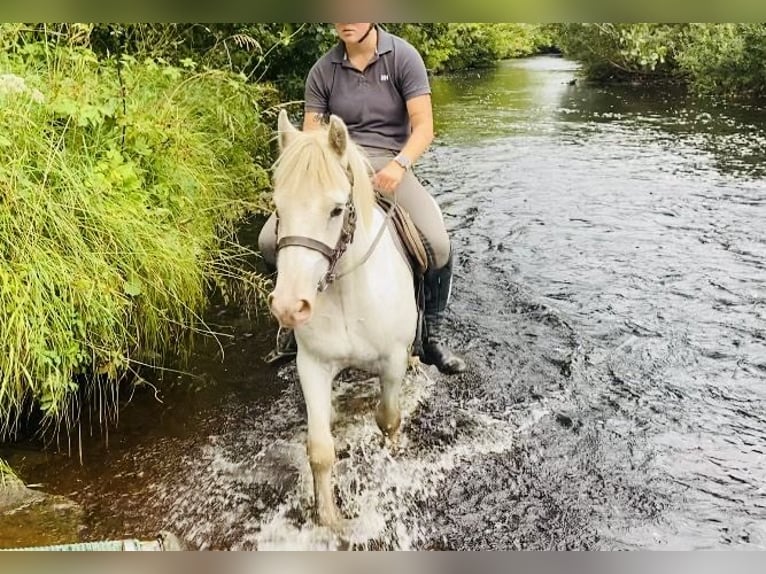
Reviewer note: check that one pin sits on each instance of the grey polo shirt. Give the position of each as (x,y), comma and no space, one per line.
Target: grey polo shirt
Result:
(371,103)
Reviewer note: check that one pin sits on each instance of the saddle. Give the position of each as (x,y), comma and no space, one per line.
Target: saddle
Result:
(411,241)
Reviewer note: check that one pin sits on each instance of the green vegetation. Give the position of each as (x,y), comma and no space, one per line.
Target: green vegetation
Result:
(7,476)
(282,54)
(130,153)
(453,47)
(122,181)
(278,53)
(726,58)
(715,58)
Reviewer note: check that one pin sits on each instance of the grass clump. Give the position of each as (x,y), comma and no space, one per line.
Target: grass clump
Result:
(7,476)
(121,182)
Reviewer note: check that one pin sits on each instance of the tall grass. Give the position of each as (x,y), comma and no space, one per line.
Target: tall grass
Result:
(7,476)
(121,182)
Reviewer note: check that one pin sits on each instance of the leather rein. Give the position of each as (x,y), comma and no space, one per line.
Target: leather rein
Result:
(346,237)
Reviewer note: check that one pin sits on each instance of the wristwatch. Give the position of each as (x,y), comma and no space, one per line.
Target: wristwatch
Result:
(403,161)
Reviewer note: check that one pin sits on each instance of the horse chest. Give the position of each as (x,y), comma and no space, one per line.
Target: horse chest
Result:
(338,333)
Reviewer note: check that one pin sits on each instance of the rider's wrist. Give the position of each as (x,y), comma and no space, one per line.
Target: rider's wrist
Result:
(403,161)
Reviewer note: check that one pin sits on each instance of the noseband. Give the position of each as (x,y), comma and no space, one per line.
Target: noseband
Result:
(333,255)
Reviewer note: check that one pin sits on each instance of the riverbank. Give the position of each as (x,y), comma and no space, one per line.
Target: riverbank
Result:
(123,183)
(721,59)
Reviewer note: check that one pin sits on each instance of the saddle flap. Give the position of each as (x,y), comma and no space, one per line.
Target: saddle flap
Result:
(408,234)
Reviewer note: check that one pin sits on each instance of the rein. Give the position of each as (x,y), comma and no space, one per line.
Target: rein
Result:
(345,239)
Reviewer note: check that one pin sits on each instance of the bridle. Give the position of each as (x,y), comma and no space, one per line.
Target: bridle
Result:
(346,237)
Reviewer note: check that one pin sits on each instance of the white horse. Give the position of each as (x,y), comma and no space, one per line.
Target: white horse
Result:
(342,285)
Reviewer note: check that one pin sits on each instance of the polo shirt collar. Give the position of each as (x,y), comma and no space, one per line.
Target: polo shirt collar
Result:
(385,41)
(385,45)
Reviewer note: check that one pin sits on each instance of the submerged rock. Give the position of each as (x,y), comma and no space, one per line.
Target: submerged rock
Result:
(32,518)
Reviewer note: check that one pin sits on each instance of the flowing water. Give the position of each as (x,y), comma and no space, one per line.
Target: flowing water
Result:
(610,299)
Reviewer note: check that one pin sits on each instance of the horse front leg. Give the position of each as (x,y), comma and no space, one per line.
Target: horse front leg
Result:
(316,383)
(389,414)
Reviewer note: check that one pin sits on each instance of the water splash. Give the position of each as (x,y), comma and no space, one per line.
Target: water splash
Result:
(263,501)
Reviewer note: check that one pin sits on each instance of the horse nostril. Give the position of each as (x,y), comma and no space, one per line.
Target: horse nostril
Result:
(303,309)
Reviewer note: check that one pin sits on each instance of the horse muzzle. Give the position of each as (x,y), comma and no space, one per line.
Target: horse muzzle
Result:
(289,311)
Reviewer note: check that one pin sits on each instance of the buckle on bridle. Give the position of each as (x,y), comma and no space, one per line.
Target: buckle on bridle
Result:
(326,281)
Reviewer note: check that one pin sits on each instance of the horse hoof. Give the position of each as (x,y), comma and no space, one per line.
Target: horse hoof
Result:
(339,527)
(388,423)
(391,442)
(332,519)
(413,363)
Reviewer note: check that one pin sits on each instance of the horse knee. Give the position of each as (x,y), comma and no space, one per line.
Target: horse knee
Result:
(321,454)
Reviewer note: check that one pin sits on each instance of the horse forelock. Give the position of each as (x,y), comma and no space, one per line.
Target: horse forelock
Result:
(308,165)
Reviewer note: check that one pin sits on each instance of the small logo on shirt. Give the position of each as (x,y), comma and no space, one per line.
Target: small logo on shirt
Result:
(384,77)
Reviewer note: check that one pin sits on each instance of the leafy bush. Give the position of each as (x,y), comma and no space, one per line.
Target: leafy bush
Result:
(121,184)
(726,58)
(280,53)
(453,47)
(722,58)
(609,51)
(283,53)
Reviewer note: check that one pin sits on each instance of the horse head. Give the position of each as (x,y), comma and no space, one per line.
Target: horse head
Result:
(316,178)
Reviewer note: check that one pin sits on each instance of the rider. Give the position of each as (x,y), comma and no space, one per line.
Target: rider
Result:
(378,84)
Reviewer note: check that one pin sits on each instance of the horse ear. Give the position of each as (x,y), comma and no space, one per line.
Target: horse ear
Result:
(285,128)
(338,135)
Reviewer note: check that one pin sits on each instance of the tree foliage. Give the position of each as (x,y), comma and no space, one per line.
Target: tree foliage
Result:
(453,47)
(721,58)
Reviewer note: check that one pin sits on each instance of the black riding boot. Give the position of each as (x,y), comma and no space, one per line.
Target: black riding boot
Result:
(438,285)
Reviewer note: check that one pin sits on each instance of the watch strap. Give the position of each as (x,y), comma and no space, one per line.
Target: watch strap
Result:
(403,161)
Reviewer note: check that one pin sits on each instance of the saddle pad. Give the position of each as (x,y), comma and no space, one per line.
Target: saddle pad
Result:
(408,234)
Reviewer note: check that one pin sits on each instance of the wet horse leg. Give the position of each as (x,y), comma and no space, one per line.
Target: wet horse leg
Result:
(316,383)
(388,414)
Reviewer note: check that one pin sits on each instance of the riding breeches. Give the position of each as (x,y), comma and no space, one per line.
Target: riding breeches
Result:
(416,200)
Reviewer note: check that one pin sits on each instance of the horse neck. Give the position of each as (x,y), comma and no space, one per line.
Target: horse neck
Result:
(362,244)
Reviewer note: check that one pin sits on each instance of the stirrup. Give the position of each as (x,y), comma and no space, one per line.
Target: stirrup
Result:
(284,349)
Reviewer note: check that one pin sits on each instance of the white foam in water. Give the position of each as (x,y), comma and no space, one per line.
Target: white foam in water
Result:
(221,500)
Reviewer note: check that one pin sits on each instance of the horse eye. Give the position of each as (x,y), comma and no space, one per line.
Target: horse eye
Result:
(336,212)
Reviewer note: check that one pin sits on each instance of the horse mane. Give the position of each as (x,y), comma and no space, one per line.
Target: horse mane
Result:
(309,154)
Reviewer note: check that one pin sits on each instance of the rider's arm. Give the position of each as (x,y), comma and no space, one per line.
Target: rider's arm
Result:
(422,122)
(412,80)
(312,120)
(421,136)
(317,99)
(415,89)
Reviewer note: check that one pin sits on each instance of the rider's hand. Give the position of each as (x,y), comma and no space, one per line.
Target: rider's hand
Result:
(388,178)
